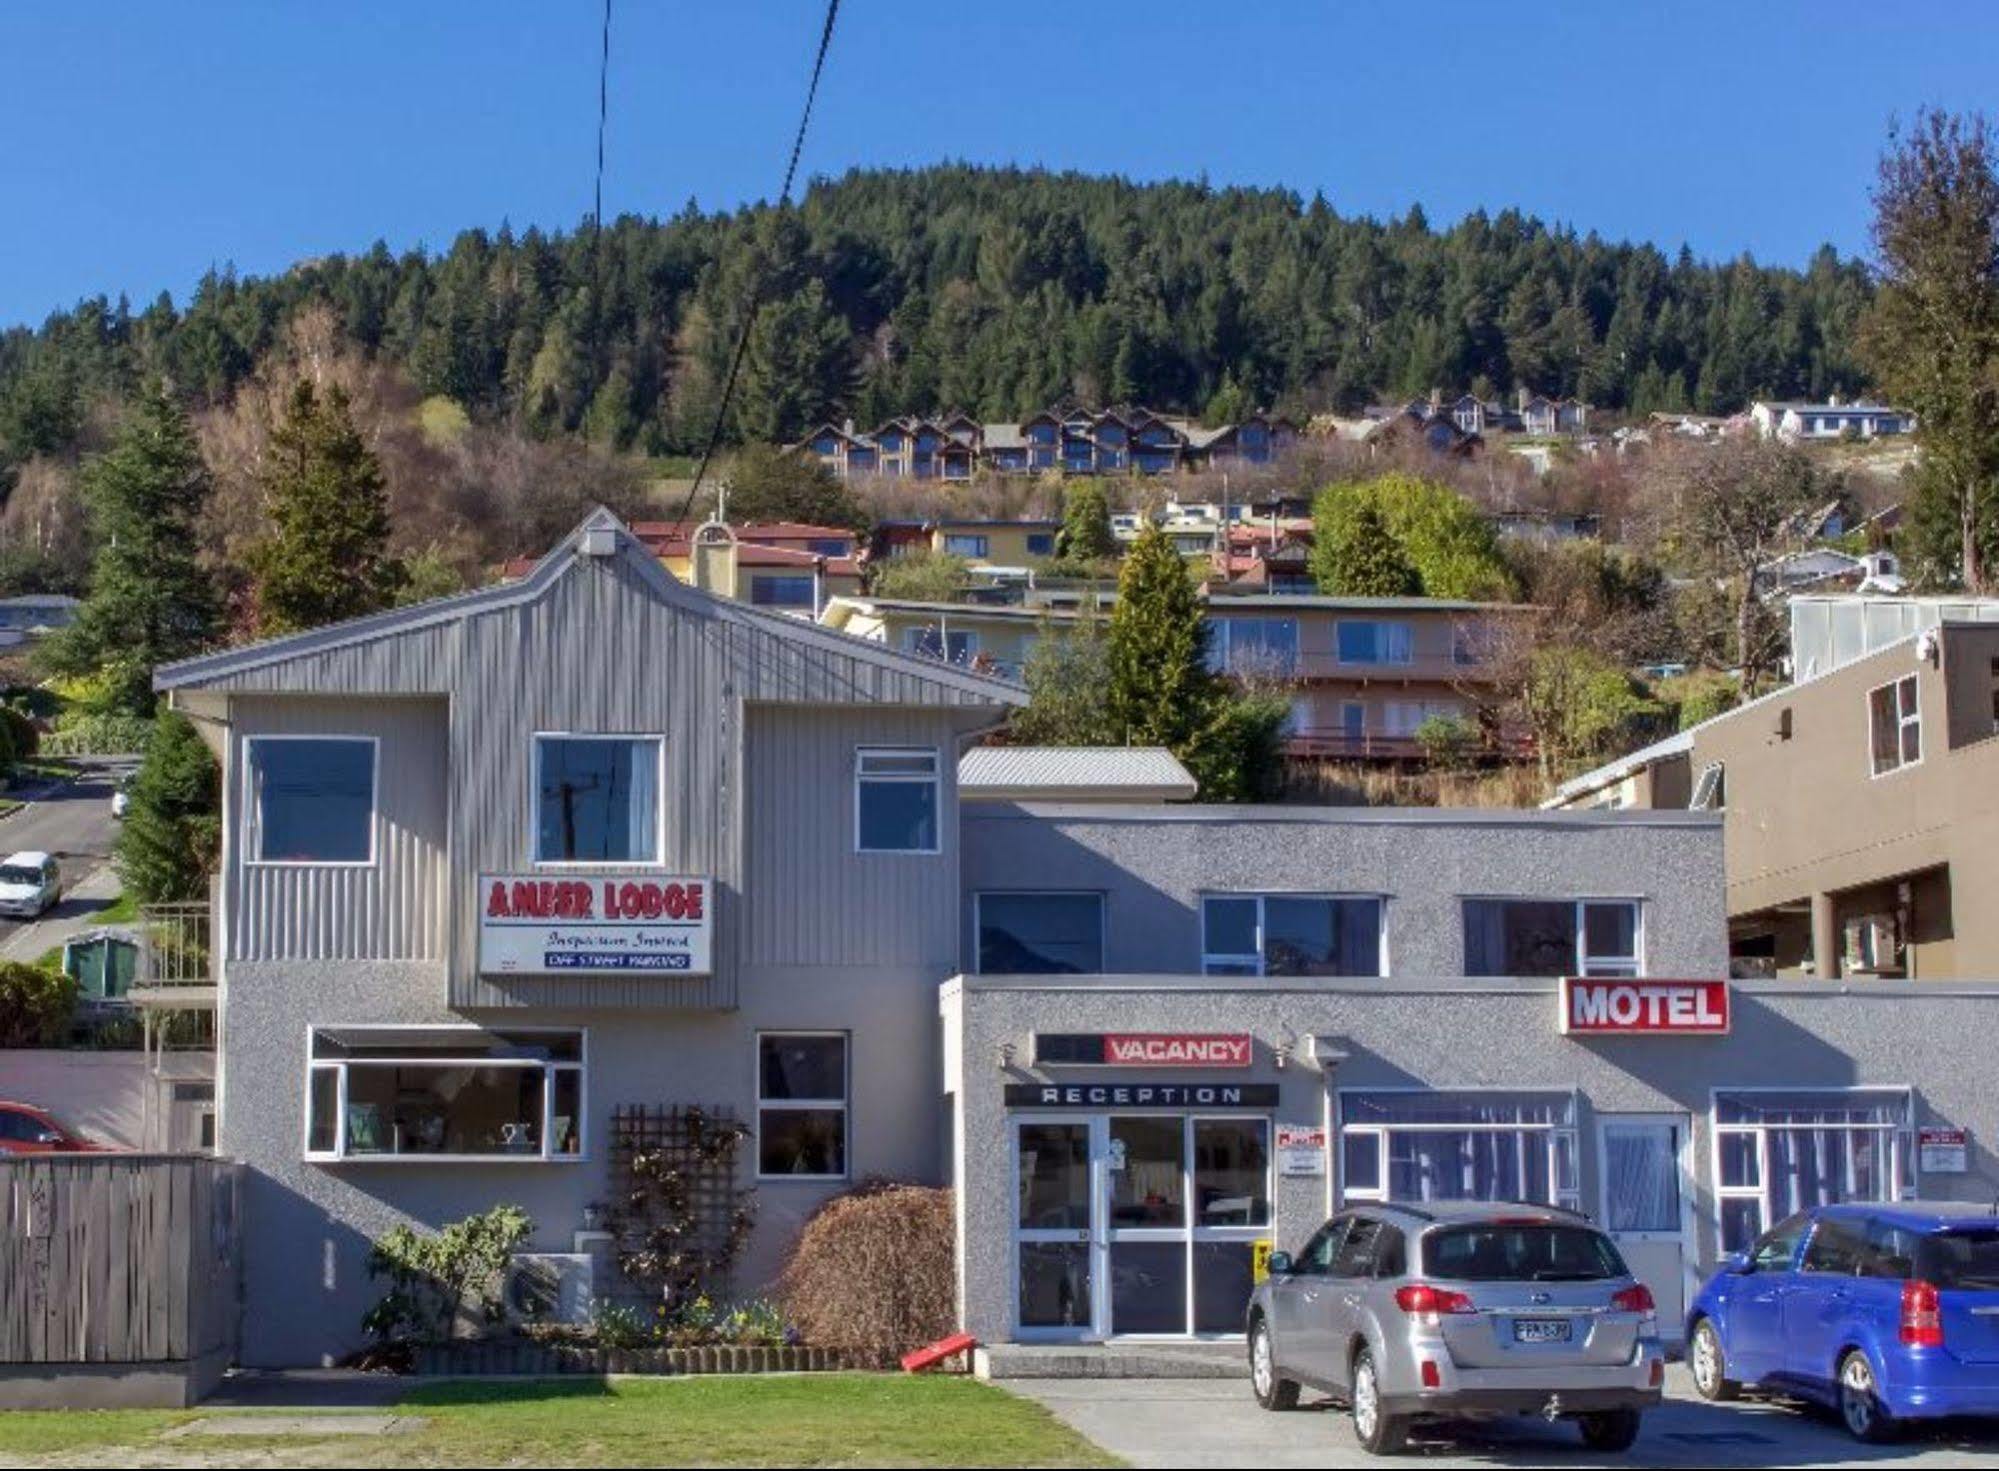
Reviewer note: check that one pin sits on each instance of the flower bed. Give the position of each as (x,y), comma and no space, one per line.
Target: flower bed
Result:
(530,1359)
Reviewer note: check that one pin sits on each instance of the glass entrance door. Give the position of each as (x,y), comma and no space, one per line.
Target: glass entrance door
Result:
(1138,1224)
(1645,1197)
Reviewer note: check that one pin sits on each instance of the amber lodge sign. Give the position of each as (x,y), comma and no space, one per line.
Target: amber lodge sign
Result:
(1144,1049)
(1598,1006)
(533,925)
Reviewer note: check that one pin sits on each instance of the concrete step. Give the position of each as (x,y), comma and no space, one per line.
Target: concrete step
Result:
(1111,1361)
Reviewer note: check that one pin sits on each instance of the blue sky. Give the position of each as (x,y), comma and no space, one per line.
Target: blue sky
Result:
(143,142)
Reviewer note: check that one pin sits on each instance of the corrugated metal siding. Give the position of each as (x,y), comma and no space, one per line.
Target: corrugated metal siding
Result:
(390,911)
(809,898)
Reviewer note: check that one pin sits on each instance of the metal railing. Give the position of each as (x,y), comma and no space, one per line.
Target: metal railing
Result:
(176,945)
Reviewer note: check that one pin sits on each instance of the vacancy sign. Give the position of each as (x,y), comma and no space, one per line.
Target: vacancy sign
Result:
(532,925)
(1144,1049)
(1598,1006)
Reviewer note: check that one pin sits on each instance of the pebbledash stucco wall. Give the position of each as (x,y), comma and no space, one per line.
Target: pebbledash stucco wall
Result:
(1438,1034)
(306,1282)
(1153,863)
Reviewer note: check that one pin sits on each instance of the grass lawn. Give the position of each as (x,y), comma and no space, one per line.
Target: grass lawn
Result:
(725,1420)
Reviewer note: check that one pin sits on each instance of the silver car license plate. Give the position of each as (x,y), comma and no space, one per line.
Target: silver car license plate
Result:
(1541,1330)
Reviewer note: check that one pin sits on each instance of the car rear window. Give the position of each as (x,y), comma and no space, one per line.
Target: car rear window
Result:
(1520,1253)
(1967,1260)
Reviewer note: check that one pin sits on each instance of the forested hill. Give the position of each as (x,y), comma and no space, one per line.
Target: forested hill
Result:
(994,290)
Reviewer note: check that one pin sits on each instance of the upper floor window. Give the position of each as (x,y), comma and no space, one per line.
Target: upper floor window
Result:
(1895,725)
(956,645)
(1366,641)
(966,545)
(783,590)
(1041,934)
(829,546)
(1254,645)
(897,799)
(1040,543)
(597,799)
(1551,937)
(1290,935)
(311,799)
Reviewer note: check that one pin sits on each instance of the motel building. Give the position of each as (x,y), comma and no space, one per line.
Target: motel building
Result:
(499,869)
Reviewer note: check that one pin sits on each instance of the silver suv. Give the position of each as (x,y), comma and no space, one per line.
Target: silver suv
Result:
(1409,1313)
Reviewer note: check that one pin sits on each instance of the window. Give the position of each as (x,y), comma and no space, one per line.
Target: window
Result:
(1253,645)
(1290,935)
(954,646)
(444,1093)
(783,590)
(1356,1254)
(1418,1146)
(1315,1258)
(1520,1253)
(1040,934)
(1369,642)
(802,1105)
(1836,1250)
(896,800)
(1895,725)
(1040,544)
(311,799)
(1710,790)
(1552,937)
(1780,1152)
(597,799)
(966,545)
(1471,643)
(1777,1250)
(828,546)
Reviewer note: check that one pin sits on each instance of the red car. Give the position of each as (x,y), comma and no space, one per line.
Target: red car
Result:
(25,1129)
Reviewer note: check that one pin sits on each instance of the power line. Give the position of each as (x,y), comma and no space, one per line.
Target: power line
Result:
(756,285)
(597,205)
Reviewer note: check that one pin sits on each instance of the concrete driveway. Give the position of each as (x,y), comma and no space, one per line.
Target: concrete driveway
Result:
(1213,1422)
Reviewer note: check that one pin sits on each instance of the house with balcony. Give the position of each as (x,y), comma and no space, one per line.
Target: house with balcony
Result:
(1364,673)
(787,566)
(1859,804)
(987,637)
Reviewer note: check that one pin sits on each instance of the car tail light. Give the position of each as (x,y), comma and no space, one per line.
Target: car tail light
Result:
(1421,1300)
(1922,1315)
(1634,1299)
(1658,1373)
(1433,1377)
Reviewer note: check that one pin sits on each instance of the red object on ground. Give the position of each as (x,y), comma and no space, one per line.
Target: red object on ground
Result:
(936,1353)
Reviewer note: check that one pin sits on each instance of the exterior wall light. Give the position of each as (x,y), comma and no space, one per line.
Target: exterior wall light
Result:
(1005,1056)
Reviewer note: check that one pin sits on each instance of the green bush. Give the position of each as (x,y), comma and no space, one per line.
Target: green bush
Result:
(1699,697)
(23,735)
(434,1278)
(98,733)
(1449,742)
(173,832)
(36,1005)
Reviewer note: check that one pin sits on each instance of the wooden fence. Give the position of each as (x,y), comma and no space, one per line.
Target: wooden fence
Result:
(118,1259)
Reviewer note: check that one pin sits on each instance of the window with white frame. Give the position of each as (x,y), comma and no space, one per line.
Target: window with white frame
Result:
(1552,937)
(311,799)
(1781,1151)
(802,1105)
(1711,789)
(1369,641)
(1044,933)
(1409,1145)
(897,799)
(1894,726)
(597,798)
(966,544)
(1291,935)
(444,1093)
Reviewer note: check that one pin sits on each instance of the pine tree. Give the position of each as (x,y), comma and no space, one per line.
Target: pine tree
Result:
(328,555)
(1160,689)
(1086,534)
(1355,555)
(150,599)
(172,833)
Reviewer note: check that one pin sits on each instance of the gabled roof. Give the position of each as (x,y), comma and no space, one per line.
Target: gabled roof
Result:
(227,668)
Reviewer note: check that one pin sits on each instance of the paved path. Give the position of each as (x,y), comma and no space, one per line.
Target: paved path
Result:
(73,821)
(1203,1423)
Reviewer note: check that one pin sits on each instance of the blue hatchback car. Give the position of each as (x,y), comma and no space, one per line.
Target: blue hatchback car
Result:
(1888,1313)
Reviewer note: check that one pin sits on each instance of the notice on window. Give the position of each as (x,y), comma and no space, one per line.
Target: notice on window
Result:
(533,925)
(1301,1149)
(1943,1151)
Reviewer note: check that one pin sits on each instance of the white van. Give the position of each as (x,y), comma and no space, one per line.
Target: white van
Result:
(30,884)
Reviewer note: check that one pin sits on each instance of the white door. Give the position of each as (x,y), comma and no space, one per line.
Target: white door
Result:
(1648,1203)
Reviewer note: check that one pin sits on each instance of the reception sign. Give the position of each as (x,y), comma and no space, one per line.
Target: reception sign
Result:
(1141,1095)
(534,925)
(1600,1006)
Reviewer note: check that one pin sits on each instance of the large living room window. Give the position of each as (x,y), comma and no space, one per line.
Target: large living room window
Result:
(1290,935)
(1047,934)
(311,799)
(597,798)
(1370,641)
(444,1093)
(802,1105)
(1552,937)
